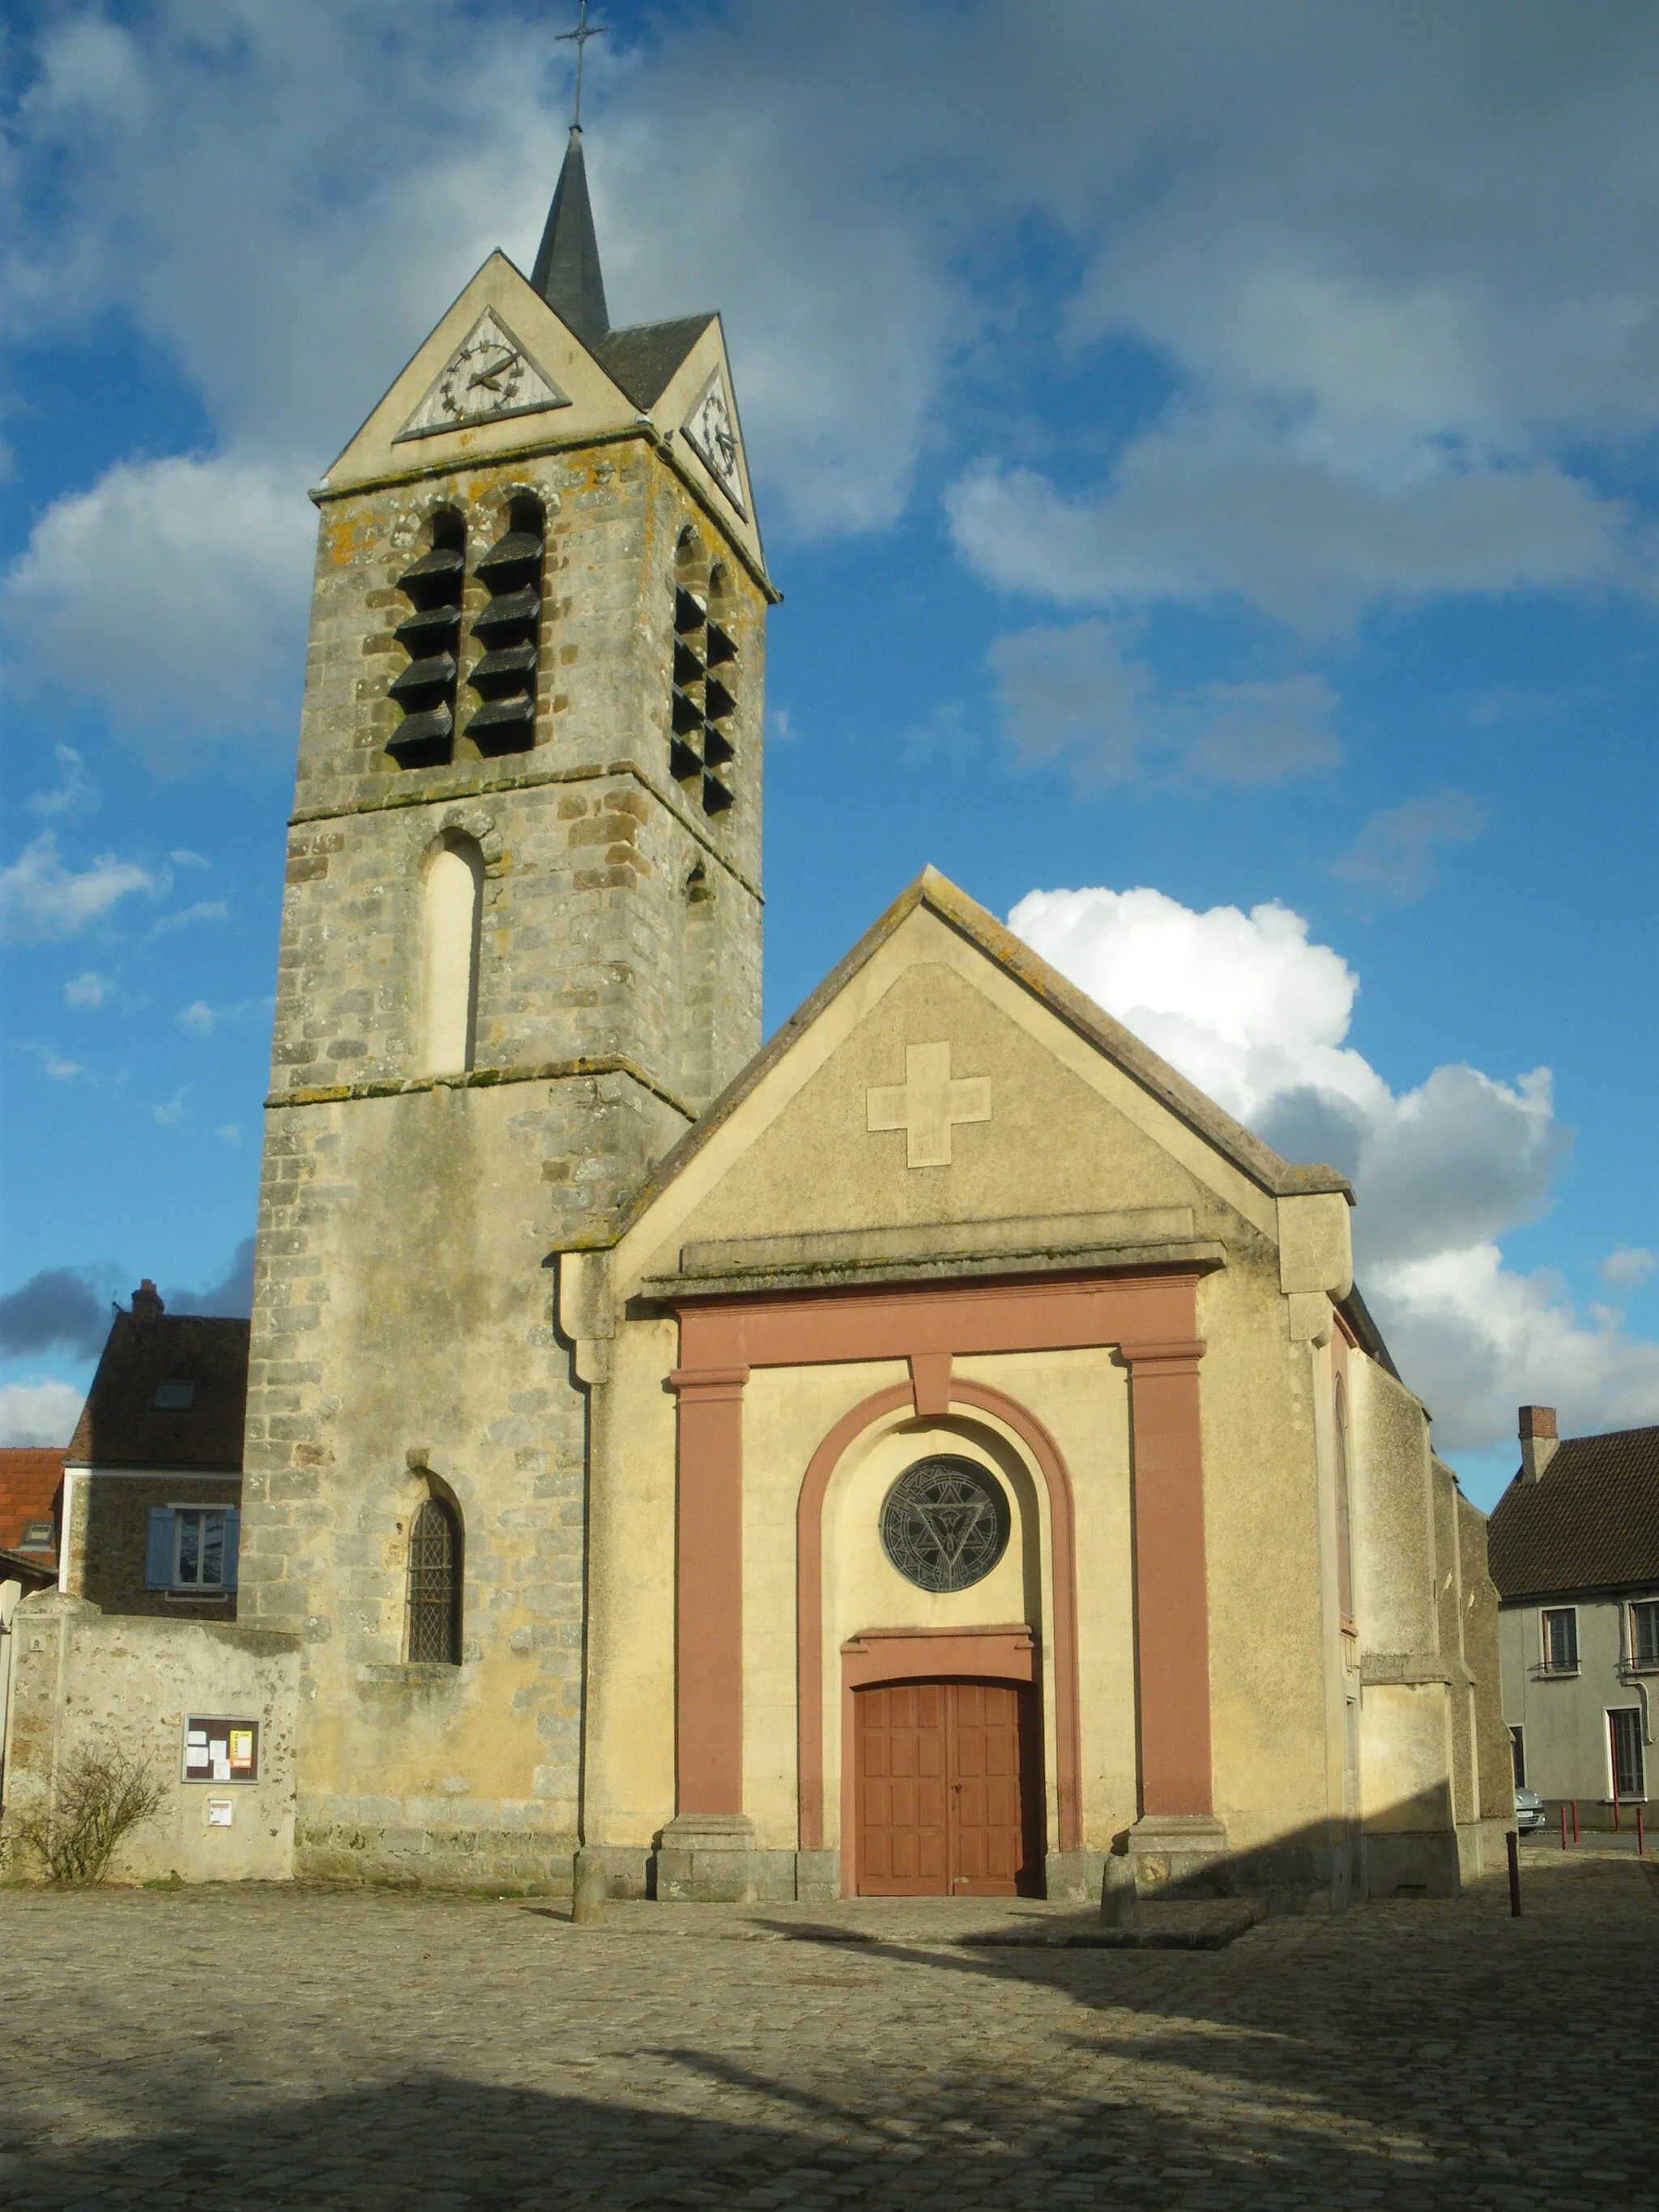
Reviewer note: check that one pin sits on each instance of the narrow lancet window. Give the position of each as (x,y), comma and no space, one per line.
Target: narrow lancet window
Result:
(452,900)
(430,636)
(434,1584)
(509,628)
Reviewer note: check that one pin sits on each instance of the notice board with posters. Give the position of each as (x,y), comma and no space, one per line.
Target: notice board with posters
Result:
(220,1749)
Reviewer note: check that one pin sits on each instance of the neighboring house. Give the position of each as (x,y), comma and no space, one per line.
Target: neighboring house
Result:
(1574,1547)
(30,1498)
(153,1476)
(31,1494)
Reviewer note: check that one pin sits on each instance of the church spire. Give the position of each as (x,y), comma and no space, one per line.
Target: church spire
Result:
(567,272)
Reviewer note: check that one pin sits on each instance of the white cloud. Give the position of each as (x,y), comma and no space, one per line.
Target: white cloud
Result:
(53,1065)
(1257,1015)
(42,899)
(173,593)
(203,910)
(176,1110)
(1476,1340)
(74,795)
(1390,267)
(1394,855)
(202,1019)
(43,1413)
(1075,693)
(1627,1267)
(1193,514)
(88,989)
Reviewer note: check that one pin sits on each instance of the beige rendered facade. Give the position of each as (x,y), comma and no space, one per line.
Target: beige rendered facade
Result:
(1258,1651)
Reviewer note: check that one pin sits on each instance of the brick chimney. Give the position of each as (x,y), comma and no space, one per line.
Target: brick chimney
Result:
(1539,1442)
(147,1303)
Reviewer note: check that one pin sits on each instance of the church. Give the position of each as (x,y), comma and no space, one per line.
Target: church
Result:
(927,1454)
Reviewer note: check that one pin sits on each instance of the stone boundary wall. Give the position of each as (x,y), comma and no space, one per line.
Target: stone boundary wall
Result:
(84,1680)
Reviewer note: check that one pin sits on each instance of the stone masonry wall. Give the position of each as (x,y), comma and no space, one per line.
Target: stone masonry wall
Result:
(85,1681)
(614,516)
(403,1344)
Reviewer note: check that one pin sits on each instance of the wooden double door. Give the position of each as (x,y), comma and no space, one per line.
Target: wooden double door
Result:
(948,1783)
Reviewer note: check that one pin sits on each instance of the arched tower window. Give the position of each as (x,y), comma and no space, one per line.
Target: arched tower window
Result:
(452,897)
(430,636)
(1344,1509)
(508,626)
(434,1584)
(704,699)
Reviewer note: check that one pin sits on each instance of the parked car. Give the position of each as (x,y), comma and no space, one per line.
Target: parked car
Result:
(1528,1810)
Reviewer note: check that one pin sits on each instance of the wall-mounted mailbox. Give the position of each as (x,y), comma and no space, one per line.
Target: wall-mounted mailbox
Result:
(219,1750)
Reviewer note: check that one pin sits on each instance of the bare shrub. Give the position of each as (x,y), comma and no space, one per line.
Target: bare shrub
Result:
(102,1796)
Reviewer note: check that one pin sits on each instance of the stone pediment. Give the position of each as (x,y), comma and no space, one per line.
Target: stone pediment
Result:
(946,1104)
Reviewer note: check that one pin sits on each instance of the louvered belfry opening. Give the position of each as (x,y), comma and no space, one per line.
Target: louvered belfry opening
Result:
(435,1585)
(508,626)
(430,636)
(701,749)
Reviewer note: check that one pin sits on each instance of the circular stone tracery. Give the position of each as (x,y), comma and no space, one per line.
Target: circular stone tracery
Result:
(944,1523)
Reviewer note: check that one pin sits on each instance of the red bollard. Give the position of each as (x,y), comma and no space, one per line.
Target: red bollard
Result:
(1564,1826)
(1513,1849)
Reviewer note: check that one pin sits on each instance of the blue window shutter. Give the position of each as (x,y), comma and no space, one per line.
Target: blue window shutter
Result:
(158,1549)
(232,1533)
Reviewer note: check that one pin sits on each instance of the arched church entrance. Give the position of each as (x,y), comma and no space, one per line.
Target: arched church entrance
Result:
(947,1790)
(943,1788)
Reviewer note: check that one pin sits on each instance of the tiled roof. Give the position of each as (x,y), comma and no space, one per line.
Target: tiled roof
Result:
(30,1480)
(642,359)
(121,1425)
(1590,1523)
(34,1569)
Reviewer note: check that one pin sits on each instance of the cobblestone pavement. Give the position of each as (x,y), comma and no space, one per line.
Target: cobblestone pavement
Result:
(258,2047)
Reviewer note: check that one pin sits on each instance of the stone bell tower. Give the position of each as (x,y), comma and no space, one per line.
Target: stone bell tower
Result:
(521,951)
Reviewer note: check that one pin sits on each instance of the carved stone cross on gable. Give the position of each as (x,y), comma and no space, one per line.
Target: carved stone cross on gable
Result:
(929,1104)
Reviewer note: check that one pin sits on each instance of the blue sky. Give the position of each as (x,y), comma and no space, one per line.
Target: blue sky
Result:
(1209,454)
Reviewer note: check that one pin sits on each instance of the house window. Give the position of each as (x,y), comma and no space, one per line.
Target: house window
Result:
(1625,1735)
(435,1585)
(39,1536)
(1644,1632)
(1558,1627)
(175,1395)
(192,1549)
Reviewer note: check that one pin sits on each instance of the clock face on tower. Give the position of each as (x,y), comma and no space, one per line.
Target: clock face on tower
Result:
(484,379)
(712,437)
(489,376)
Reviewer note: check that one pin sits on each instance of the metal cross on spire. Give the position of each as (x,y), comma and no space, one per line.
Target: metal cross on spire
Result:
(583,31)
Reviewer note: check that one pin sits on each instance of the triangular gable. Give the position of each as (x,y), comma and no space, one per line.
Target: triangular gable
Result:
(935,925)
(590,406)
(697,410)
(491,377)
(562,393)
